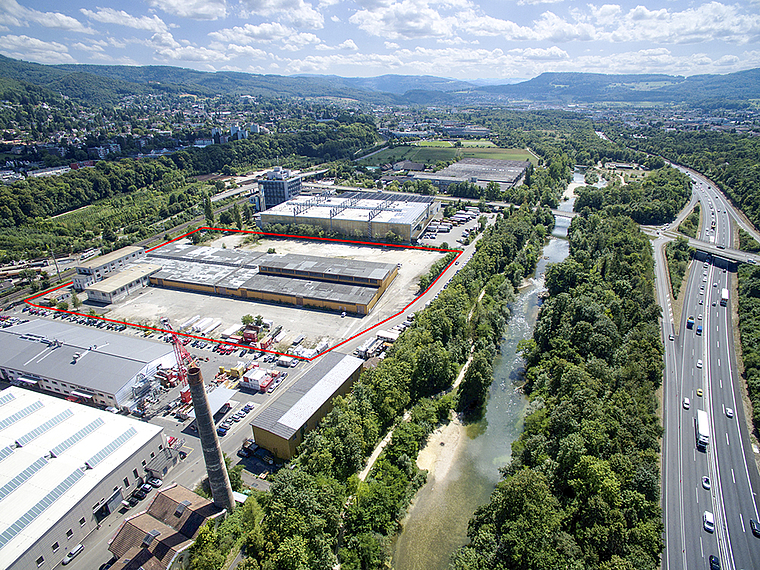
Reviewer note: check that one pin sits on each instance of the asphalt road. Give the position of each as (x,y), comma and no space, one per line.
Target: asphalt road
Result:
(728,460)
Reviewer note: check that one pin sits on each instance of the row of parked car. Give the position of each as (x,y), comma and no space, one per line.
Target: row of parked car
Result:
(226,425)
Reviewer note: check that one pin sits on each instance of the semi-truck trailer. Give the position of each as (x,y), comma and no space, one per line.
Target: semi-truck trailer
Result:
(703,430)
(723,297)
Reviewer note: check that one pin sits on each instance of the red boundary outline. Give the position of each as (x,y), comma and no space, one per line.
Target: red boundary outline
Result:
(221,342)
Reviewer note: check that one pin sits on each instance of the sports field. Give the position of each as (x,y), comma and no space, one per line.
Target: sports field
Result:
(433,154)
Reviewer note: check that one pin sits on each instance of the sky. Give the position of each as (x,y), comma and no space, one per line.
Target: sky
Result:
(503,40)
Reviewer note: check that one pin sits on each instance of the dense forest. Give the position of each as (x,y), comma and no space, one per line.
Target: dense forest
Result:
(654,200)
(730,160)
(582,490)
(749,329)
(318,507)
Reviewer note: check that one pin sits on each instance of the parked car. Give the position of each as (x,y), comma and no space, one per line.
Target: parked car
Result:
(222,430)
(139,494)
(76,551)
(146,488)
(155,482)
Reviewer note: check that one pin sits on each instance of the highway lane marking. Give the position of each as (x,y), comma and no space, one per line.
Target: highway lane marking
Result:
(727,443)
(741,518)
(732,469)
(701,547)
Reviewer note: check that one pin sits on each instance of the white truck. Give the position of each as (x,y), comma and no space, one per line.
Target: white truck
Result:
(723,297)
(703,430)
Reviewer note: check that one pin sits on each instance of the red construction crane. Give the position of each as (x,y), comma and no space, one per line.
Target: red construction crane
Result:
(184,358)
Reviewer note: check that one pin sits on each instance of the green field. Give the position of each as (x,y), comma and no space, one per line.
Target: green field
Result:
(434,143)
(431,155)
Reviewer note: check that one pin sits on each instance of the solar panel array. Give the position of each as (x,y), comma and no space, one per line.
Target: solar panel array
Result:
(28,518)
(5,452)
(39,430)
(13,418)
(22,478)
(85,431)
(110,448)
(7,398)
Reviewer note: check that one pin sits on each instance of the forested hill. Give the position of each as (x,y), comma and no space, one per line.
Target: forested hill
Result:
(107,84)
(597,87)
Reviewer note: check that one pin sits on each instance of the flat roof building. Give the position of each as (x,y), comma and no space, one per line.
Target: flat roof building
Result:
(279,186)
(99,366)
(120,285)
(358,214)
(64,468)
(479,171)
(281,427)
(303,280)
(96,268)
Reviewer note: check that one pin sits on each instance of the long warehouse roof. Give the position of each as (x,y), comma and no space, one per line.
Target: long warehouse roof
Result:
(285,416)
(52,454)
(106,363)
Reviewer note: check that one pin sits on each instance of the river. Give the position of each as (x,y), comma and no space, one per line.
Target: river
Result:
(466,459)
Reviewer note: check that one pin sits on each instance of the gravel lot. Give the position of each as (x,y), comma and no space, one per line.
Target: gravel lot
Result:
(152,304)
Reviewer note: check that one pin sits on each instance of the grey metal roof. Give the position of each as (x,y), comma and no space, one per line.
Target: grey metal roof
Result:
(285,416)
(329,267)
(205,254)
(108,360)
(486,169)
(316,290)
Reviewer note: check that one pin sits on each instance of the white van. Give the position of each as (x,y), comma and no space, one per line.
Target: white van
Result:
(708,521)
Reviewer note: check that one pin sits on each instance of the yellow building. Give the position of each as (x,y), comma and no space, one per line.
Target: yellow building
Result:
(281,427)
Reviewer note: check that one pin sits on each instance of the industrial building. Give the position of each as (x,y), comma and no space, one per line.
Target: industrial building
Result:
(281,427)
(358,214)
(97,268)
(160,537)
(118,286)
(65,468)
(280,186)
(480,171)
(306,281)
(85,363)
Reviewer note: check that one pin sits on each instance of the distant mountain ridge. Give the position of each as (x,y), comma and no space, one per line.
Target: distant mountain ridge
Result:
(107,84)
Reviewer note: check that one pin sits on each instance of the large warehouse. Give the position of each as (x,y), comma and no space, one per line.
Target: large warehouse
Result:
(87,363)
(281,427)
(65,468)
(481,171)
(307,281)
(358,214)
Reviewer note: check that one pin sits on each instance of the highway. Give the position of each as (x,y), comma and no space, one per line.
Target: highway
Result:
(706,362)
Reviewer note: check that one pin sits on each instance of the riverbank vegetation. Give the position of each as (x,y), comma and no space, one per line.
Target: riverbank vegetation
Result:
(749,330)
(582,490)
(690,225)
(678,254)
(728,159)
(309,521)
(654,200)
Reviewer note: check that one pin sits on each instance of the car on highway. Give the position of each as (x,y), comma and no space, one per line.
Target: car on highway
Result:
(699,363)
(708,521)
(76,551)
(701,302)
(686,403)
(671,337)
(699,317)
(729,412)
(700,393)
(754,527)
(706,482)
(714,562)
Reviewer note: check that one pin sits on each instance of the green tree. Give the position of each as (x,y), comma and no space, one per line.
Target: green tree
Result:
(246,320)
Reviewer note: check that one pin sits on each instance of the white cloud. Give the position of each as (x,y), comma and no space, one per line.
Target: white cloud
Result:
(290,39)
(247,51)
(97,46)
(533,2)
(12,13)
(250,33)
(348,45)
(297,12)
(540,54)
(391,45)
(120,17)
(24,47)
(166,48)
(407,19)
(195,9)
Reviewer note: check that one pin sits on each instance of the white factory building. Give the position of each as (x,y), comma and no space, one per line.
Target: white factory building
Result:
(96,365)
(63,468)
(97,268)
